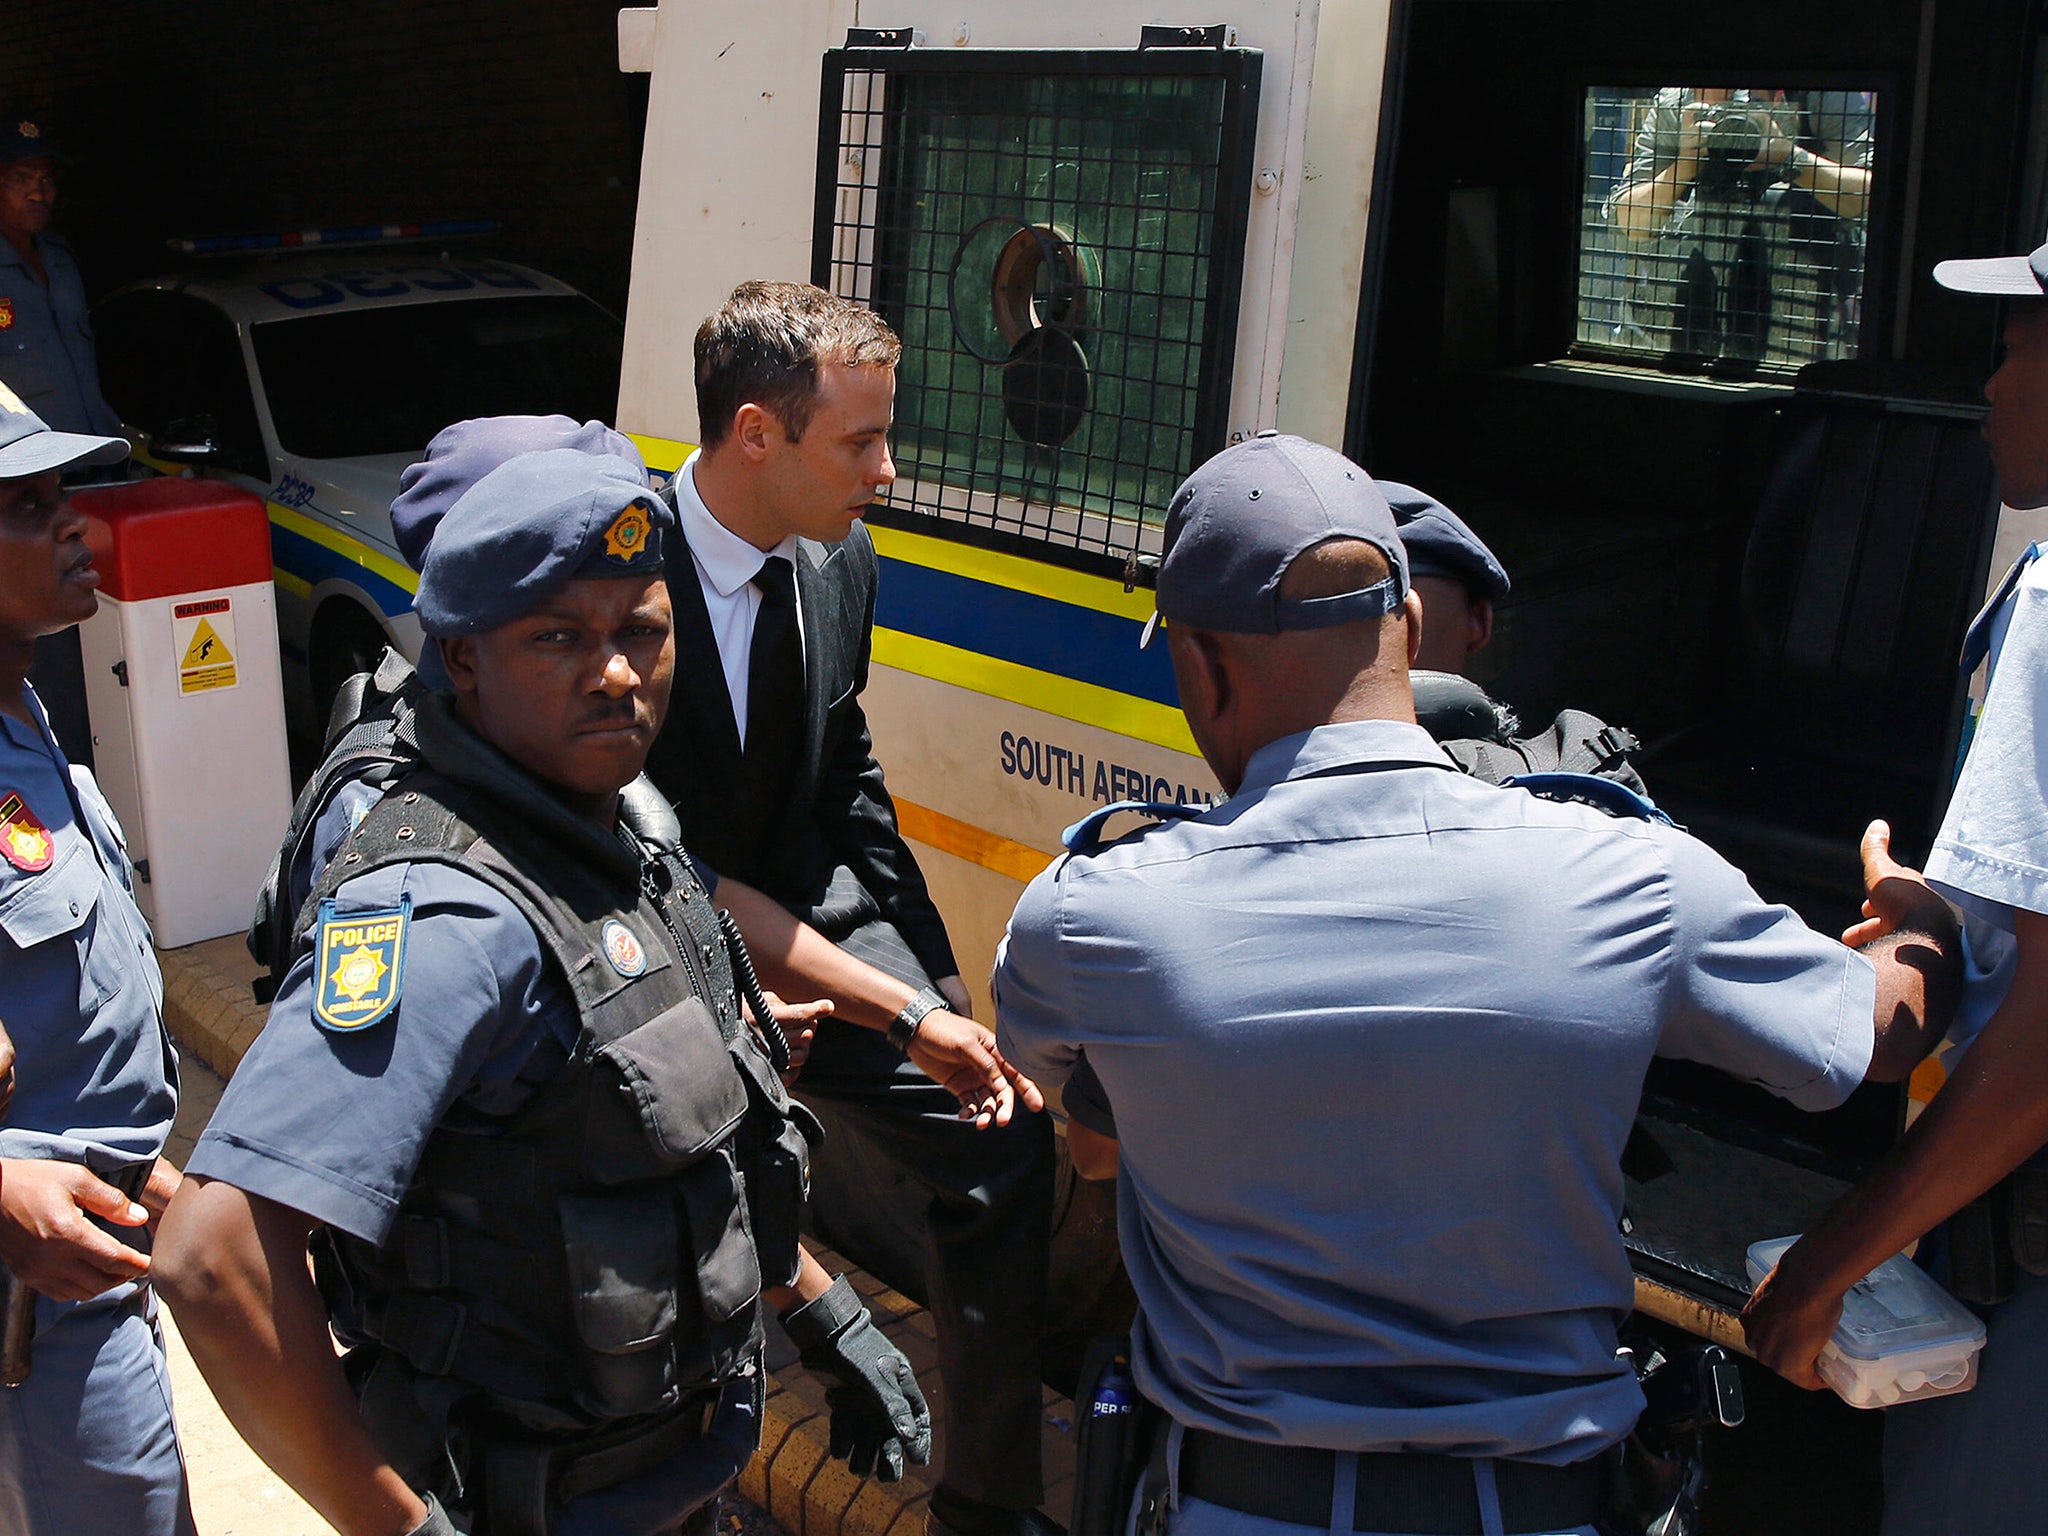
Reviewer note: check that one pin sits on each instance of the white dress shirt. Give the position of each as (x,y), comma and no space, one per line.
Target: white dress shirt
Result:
(726,567)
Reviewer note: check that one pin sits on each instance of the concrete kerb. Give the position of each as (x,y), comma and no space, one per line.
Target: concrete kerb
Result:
(213,1016)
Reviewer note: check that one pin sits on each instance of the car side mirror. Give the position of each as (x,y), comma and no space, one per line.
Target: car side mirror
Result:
(187,438)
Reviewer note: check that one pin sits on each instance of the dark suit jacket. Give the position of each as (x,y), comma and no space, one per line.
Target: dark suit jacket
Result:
(835,858)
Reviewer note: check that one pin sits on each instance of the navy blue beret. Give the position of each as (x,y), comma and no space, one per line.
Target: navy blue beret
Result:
(463,454)
(529,526)
(1440,544)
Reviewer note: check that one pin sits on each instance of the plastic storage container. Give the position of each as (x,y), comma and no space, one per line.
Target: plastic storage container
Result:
(1901,1336)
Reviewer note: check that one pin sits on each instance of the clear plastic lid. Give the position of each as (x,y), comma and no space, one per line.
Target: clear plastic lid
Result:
(1894,1310)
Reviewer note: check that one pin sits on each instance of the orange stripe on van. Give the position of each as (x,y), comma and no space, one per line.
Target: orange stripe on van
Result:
(977,845)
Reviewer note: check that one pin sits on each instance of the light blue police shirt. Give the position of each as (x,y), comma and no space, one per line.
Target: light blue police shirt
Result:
(80,993)
(1375,1034)
(46,350)
(1991,855)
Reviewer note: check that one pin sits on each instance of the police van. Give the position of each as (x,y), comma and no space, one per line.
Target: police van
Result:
(1724,436)
(312,374)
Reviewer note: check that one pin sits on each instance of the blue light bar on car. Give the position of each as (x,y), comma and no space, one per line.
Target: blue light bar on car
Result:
(346,234)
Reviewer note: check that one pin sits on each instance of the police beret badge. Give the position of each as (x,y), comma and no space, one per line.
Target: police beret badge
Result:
(361,965)
(626,539)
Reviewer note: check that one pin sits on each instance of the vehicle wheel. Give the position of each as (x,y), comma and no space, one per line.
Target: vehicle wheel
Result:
(345,641)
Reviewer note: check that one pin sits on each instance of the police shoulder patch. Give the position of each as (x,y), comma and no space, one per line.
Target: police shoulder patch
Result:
(360,965)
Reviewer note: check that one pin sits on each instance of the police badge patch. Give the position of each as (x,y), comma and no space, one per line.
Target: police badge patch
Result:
(627,536)
(360,965)
(24,841)
(6,313)
(622,947)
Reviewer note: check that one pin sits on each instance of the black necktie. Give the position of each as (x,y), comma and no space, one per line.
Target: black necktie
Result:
(775,693)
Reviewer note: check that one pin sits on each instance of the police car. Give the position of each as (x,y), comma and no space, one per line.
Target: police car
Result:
(313,379)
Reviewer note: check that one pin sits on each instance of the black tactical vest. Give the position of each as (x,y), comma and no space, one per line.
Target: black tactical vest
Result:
(600,1253)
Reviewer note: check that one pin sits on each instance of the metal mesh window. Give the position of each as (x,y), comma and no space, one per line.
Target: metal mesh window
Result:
(1058,238)
(1724,230)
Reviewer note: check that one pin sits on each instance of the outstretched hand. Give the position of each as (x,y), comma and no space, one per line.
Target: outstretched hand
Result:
(1896,897)
(46,1239)
(961,1056)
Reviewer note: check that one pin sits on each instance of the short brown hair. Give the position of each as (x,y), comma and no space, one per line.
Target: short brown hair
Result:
(766,343)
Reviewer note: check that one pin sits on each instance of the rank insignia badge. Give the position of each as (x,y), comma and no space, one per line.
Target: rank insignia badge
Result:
(6,314)
(622,947)
(24,841)
(361,966)
(627,536)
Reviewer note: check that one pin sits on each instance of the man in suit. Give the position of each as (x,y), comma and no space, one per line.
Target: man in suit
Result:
(767,757)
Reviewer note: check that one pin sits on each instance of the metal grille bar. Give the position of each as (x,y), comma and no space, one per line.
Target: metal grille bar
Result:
(1724,231)
(1058,237)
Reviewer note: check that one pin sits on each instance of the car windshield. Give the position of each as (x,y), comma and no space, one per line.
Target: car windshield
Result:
(386,380)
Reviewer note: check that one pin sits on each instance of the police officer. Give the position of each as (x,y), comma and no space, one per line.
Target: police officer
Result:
(1455,575)
(46,353)
(46,357)
(1375,1033)
(1459,581)
(86,1444)
(510,1082)
(1971,1462)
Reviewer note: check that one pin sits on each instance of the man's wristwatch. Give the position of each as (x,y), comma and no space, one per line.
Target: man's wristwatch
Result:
(903,1028)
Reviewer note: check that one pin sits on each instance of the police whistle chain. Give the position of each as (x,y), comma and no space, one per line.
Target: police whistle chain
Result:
(750,989)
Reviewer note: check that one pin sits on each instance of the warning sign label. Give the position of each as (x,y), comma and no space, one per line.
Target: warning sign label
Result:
(203,640)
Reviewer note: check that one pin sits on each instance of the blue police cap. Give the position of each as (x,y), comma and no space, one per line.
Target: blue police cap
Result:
(1239,521)
(1439,542)
(530,525)
(27,138)
(463,454)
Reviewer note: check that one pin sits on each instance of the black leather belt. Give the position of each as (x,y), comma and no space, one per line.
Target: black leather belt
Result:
(1408,1491)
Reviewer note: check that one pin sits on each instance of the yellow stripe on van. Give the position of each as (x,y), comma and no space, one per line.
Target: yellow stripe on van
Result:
(1121,713)
(348,548)
(1101,593)
(662,453)
(964,840)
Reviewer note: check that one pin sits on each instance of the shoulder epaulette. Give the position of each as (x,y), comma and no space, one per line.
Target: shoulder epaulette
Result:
(1085,835)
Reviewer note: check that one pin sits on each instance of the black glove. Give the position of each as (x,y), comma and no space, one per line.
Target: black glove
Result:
(436,1523)
(878,1414)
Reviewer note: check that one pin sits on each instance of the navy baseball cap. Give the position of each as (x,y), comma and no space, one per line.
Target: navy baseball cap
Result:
(1440,543)
(2006,277)
(24,138)
(531,525)
(461,455)
(29,447)
(1239,521)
